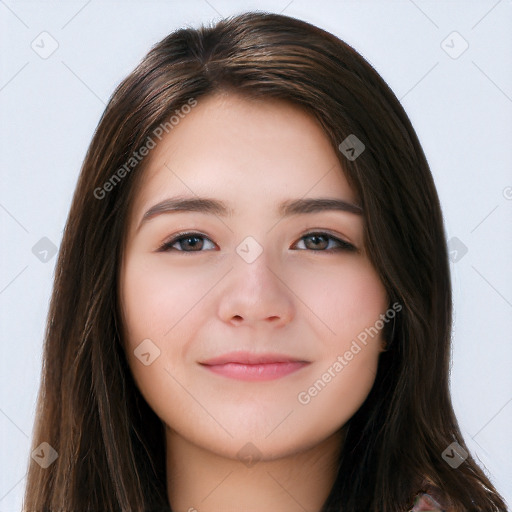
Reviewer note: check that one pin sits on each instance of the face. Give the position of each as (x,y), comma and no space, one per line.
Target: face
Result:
(198,284)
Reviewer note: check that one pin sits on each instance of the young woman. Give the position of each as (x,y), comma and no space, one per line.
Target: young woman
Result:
(252,303)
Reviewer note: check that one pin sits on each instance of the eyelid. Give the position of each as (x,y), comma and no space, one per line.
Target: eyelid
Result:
(171,240)
(349,246)
(324,231)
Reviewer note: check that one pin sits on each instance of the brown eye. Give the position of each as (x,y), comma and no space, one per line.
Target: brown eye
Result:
(189,242)
(319,241)
(316,241)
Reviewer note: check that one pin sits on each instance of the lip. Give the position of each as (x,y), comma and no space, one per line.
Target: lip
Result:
(244,357)
(254,367)
(255,372)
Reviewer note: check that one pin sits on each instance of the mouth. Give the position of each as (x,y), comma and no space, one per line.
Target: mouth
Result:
(254,367)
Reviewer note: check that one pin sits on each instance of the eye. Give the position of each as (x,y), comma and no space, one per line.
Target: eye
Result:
(319,242)
(191,240)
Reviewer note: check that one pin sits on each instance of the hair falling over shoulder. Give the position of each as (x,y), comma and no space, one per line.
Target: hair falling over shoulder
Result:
(110,444)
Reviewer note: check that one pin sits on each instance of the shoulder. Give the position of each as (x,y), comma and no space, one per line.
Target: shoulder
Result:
(431,498)
(424,502)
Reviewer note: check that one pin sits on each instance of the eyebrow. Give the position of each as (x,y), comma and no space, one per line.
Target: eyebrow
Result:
(215,207)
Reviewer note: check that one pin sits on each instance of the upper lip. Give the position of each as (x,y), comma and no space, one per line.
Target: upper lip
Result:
(242,357)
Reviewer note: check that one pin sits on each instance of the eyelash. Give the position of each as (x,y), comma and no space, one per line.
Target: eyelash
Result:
(343,246)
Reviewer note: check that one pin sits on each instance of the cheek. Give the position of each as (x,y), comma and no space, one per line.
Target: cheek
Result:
(350,303)
(165,304)
(156,297)
(346,299)
(157,301)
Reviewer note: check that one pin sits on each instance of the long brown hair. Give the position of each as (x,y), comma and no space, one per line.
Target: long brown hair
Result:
(110,444)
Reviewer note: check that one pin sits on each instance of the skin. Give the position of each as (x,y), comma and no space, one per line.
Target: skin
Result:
(297,297)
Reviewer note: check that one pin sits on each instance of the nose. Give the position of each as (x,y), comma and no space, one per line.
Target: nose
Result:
(254,293)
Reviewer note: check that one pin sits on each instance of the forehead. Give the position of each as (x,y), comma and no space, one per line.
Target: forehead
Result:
(243,150)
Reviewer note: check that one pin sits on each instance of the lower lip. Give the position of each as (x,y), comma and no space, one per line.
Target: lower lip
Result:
(255,372)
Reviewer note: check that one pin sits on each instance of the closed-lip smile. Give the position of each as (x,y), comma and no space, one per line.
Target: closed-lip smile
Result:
(244,357)
(243,365)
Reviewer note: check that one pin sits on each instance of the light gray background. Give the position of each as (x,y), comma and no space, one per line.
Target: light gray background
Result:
(460,107)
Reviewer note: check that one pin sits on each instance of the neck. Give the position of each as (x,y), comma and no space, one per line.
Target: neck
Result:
(200,480)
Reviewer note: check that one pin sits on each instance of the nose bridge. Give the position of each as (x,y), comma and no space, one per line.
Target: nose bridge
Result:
(254,265)
(253,289)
